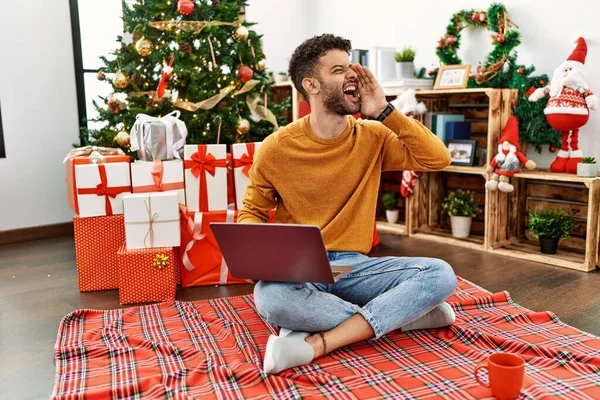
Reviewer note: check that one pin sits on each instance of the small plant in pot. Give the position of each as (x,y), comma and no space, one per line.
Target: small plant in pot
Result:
(405,67)
(587,167)
(461,206)
(390,203)
(550,226)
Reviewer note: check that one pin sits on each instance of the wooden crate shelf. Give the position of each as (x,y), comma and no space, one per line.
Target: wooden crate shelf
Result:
(509,234)
(502,226)
(395,229)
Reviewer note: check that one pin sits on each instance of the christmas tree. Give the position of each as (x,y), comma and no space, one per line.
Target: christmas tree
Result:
(195,56)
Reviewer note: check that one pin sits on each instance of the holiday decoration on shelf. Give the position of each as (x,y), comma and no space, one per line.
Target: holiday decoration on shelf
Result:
(500,69)
(185,7)
(143,47)
(120,80)
(407,104)
(245,73)
(509,159)
(568,108)
(497,21)
(182,55)
(241,33)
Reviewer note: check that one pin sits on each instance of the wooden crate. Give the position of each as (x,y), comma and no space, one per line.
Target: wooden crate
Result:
(535,190)
(390,182)
(427,218)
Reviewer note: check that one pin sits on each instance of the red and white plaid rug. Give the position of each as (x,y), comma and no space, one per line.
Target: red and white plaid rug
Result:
(214,349)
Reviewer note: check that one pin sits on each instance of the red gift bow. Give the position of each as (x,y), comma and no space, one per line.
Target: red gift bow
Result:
(200,164)
(245,160)
(194,227)
(102,189)
(157,177)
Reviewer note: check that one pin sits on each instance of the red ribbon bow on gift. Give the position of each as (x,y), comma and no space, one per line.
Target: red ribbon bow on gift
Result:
(246,160)
(201,163)
(157,177)
(102,189)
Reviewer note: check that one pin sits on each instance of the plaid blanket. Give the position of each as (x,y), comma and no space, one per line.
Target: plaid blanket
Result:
(214,349)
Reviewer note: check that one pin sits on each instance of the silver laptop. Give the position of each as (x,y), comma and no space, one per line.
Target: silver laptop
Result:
(276,252)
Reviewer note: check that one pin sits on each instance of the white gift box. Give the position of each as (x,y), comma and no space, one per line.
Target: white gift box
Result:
(151,220)
(205,177)
(243,157)
(101,187)
(158,176)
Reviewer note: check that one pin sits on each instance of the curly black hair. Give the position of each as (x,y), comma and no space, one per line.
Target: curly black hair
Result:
(306,57)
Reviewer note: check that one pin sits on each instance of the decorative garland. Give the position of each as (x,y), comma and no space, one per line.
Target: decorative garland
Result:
(494,19)
(501,70)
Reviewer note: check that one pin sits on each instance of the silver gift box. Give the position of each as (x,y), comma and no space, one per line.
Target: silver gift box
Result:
(158,138)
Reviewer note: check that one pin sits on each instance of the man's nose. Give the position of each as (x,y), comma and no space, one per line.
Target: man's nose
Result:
(351,73)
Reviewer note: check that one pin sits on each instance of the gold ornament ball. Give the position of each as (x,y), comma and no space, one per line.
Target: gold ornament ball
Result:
(243,126)
(143,47)
(261,65)
(241,33)
(120,80)
(123,139)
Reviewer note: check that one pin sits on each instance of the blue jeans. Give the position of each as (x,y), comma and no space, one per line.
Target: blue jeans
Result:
(389,292)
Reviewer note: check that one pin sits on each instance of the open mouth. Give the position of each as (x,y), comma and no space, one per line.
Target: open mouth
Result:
(351,93)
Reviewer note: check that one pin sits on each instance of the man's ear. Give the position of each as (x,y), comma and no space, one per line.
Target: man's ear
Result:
(311,85)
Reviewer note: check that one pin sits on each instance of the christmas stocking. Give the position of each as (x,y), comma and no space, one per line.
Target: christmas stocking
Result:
(409,178)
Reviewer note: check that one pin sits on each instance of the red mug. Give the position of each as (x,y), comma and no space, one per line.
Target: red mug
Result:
(506,373)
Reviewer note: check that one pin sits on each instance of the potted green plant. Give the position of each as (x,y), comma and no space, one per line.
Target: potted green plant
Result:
(587,167)
(390,203)
(405,67)
(550,225)
(283,76)
(461,206)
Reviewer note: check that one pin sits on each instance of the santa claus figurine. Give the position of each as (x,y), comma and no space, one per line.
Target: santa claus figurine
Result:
(509,159)
(568,107)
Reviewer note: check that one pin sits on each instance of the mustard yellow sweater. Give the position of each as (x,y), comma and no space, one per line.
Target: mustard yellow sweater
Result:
(334,183)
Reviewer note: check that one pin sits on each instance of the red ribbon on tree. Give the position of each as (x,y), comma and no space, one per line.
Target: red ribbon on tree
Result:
(246,160)
(200,164)
(102,189)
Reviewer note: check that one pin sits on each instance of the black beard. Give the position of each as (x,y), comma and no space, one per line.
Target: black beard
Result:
(335,102)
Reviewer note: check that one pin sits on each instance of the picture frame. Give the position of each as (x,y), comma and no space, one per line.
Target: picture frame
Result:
(462,151)
(452,77)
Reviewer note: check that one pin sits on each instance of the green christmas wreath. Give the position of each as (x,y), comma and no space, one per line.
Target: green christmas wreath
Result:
(496,20)
(500,69)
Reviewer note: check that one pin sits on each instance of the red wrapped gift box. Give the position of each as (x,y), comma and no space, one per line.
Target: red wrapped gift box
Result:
(97,240)
(147,275)
(201,258)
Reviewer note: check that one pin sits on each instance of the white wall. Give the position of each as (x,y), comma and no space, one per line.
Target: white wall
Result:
(39,111)
(284,26)
(548,33)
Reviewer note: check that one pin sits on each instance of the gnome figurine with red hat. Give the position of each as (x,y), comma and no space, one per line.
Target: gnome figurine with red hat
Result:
(509,159)
(568,107)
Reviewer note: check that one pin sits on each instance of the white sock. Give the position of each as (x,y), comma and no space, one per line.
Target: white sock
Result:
(440,316)
(286,352)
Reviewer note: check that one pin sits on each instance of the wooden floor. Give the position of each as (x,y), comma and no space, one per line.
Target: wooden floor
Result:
(38,286)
